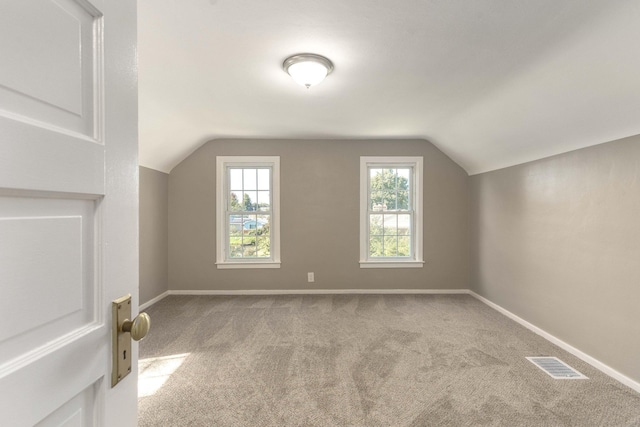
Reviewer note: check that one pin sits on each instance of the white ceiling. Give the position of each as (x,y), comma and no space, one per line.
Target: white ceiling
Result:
(492,83)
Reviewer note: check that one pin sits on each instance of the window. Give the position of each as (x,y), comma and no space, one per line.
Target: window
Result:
(390,212)
(248,204)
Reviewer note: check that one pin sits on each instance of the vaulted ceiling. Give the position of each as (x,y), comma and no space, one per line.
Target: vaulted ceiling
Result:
(492,83)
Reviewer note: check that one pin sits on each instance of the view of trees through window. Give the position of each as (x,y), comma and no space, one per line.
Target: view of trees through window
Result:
(390,212)
(249,212)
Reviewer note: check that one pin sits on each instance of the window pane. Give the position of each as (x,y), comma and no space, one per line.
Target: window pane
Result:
(264,247)
(403,175)
(389,188)
(264,201)
(263,179)
(404,225)
(249,251)
(404,246)
(234,201)
(375,246)
(377,200)
(373,181)
(390,246)
(235,251)
(249,226)
(249,240)
(404,188)
(403,200)
(249,236)
(382,180)
(235,177)
(375,225)
(249,199)
(386,201)
(264,225)
(235,244)
(235,225)
(235,236)
(390,225)
(250,179)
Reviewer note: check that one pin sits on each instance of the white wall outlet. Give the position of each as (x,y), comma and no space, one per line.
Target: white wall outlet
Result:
(310,277)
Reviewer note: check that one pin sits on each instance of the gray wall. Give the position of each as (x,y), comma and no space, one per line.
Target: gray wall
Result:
(557,242)
(153,233)
(319,218)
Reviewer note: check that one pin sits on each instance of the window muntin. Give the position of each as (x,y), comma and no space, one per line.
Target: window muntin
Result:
(248,202)
(390,212)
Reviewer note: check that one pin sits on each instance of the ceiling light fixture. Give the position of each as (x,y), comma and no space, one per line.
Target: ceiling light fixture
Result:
(307,69)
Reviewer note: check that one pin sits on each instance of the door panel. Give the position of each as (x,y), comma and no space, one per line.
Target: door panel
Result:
(51,106)
(49,244)
(39,385)
(51,75)
(77,412)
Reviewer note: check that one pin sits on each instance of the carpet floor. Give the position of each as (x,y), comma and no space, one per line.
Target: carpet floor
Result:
(360,360)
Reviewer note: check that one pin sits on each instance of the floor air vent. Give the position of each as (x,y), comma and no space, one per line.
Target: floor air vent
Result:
(556,368)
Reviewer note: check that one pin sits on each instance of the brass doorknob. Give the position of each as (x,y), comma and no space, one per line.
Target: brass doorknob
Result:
(139,327)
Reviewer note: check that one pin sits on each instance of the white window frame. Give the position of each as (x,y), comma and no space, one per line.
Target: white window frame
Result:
(222,193)
(416,260)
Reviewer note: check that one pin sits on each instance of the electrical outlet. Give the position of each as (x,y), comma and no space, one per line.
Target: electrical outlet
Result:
(310,277)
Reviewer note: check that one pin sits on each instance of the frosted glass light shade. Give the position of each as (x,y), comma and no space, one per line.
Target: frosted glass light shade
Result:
(307,69)
(307,73)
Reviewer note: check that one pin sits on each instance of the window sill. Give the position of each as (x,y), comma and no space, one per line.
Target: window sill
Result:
(230,265)
(391,264)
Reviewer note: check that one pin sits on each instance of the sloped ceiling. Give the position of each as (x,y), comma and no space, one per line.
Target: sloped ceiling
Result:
(491,83)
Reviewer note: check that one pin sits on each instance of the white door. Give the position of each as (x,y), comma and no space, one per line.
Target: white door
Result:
(68,208)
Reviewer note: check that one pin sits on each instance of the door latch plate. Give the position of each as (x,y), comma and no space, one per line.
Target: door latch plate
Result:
(121,341)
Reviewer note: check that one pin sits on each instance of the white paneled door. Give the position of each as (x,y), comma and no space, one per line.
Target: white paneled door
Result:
(68,208)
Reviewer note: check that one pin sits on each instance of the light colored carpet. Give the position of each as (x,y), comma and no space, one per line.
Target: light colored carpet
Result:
(360,360)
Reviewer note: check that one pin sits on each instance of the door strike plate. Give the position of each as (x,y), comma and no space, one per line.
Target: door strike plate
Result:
(121,341)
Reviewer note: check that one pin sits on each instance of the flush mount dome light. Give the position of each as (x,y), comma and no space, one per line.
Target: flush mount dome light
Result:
(308,69)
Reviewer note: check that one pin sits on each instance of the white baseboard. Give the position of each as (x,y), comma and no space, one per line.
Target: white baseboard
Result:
(222,292)
(154,300)
(320,291)
(563,345)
